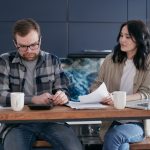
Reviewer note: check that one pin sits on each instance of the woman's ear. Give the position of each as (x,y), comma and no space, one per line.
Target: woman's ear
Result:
(40,40)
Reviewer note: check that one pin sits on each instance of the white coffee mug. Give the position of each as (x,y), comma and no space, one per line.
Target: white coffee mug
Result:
(17,101)
(119,99)
(147,127)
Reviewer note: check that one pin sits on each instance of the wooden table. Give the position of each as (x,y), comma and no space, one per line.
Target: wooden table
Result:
(64,113)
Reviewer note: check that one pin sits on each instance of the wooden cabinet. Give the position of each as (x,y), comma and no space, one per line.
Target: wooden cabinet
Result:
(92,36)
(54,38)
(94,24)
(50,14)
(97,10)
(46,10)
(148,13)
(137,9)
(72,26)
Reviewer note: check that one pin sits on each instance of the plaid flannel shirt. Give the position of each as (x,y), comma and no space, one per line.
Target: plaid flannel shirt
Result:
(48,76)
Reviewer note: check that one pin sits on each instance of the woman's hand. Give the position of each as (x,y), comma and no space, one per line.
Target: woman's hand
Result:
(107,100)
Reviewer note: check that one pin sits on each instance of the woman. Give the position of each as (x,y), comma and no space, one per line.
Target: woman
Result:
(127,69)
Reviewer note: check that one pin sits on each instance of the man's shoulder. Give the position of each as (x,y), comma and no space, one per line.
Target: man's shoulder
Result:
(48,55)
(5,55)
(8,55)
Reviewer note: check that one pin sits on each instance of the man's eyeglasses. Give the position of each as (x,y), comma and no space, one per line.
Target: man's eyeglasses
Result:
(33,46)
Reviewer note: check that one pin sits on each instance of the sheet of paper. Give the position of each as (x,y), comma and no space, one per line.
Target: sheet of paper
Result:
(1,107)
(78,105)
(96,96)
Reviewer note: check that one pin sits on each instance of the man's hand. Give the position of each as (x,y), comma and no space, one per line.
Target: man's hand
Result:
(42,99)
(59,98)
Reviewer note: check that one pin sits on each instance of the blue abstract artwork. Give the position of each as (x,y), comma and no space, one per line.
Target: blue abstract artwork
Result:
(82,72)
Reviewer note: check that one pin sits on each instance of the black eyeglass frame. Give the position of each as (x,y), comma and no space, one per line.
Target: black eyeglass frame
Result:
(35,46)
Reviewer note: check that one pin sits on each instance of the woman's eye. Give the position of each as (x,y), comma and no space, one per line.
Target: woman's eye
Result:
(128,37)
(121,35)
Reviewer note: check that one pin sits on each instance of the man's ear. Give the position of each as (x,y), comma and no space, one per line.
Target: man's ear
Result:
(14,41)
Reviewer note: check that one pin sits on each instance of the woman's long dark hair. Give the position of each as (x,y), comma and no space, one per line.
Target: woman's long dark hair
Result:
(139,31)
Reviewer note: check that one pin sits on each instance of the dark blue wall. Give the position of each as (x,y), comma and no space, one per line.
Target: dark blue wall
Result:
(71,26)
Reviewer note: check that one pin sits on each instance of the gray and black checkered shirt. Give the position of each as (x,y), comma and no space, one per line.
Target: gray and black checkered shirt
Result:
(48,76)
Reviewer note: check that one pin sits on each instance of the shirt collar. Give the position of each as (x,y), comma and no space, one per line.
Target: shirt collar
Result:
(17,58)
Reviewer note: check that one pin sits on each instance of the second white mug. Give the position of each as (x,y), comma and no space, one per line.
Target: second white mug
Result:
(147,127)
(119,98)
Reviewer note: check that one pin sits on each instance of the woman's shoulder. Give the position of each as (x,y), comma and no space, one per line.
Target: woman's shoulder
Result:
(148,61)
(108,58)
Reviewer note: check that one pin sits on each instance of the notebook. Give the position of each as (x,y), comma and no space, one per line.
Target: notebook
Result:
(139,104)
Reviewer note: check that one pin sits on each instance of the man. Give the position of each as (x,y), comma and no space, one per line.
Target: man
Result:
(39,75)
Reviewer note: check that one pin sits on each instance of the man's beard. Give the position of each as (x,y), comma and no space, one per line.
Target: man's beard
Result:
(30,56)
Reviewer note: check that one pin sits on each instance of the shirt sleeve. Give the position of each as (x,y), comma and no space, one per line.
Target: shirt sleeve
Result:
(61,80)
(100,77)
(144,88)
(4,83)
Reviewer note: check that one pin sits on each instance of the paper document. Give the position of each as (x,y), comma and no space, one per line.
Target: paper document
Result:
(96,96)
(1,107)
(78,105)
(92,100)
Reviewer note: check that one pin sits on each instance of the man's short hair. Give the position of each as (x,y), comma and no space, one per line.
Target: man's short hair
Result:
(24,26)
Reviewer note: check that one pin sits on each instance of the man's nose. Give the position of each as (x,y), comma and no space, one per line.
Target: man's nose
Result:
(29,49)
